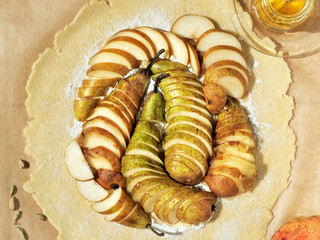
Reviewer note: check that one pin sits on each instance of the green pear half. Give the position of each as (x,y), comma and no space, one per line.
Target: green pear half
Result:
(137,218)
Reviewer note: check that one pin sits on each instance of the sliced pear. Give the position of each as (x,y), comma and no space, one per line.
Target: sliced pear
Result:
(92,191)
(146,139)
(148,128)
(150,197)
(190,112)
(76,164)
(191,26)
(178,46)
(230,79)
(243,127)
(153,110)
(115,56)
(158,38)
(95,137)
(230,64)
(216,97)
(199,211)
(236,149)
(140,36)
(115,116)
(137,218)
(215,37)
(191,121)
(223,53)
(125,210)
(112,203)
(186,139)
(241,137)
(101,157)
(143,181)
(111,103)
(186,128)
(83,107)
(181,71)
(186,86)
(191,154)
(107,70)
(126,88)
(179,79)
(139,81)
(135,167)
(108,125)
(84,92)
(110,179)
(187,103)
(194,59)
(184,93)
(183,170)
(130,45)
(125,101)
(100,82)
(142,159)
(143,150)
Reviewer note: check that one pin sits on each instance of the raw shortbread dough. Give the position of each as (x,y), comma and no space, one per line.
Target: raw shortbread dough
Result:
(59,71)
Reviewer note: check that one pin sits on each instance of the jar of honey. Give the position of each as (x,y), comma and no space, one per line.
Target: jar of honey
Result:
(283,15)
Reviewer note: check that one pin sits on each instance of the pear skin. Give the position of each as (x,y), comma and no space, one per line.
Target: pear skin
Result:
(137,218)
(164,65)
(148,128)
(83,107)
(84,92)
(153,109)
(178,80)
(126,88)
(177,73)
(199,211)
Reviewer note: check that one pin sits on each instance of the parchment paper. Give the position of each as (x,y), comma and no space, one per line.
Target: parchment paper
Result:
(28,27)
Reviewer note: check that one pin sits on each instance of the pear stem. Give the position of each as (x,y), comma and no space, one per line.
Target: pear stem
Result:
(154,59)
(159,78)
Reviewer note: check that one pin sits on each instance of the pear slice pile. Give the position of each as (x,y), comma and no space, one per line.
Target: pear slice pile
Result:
(147,180)
(233,169)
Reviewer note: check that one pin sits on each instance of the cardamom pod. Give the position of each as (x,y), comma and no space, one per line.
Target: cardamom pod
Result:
(24,164)
(42,217)
(22,232)
(13,203)
(16,216)
(13,190)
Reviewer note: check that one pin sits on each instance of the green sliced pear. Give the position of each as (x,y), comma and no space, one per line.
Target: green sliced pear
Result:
(83,107)
(100,82)
(76,164)
(185,95)
(196,133)
(133,167)
(243,127)
(163,201)
(190,107)
(153,109)
(139,181)
(110,67)
(112,203)
(179,111)
(191,154)
(190,200)
(101,157)
(137,218)
(84,92)
(242,137)
(115,116)
(227,132)
(150,197)
(178,80)
(125,101)
(164,65)
(229,122)
(125,210)
(199,211)
(149,128)
(142,159)
(190,121)
(127,89)
(183,170)
(177,73)
(236,149)
(139,81)
(95,137)
(107,124)
(143,150)
(182,86)
(170,211)
(115,105)
(186,139)
(92,191)
(146,139)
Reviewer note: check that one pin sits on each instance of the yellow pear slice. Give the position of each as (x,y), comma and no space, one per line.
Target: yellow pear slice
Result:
(137,218)
(130,45)
(139,180)
(179,79)
(140,36)
(223,53)
(191,26)
(83,107)
(159,39)
(242,137)
(125,101)
(236,149)
(215,37)
(126,88)
(93,82)
(115,56)
(194,59)
(92,191)
(178,46)
(76,163)
(107,70)
(109,102)
(84,92)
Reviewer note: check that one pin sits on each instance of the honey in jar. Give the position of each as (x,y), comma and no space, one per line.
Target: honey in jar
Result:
(283,14)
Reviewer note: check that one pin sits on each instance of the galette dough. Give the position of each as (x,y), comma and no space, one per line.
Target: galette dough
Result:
(59,71)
